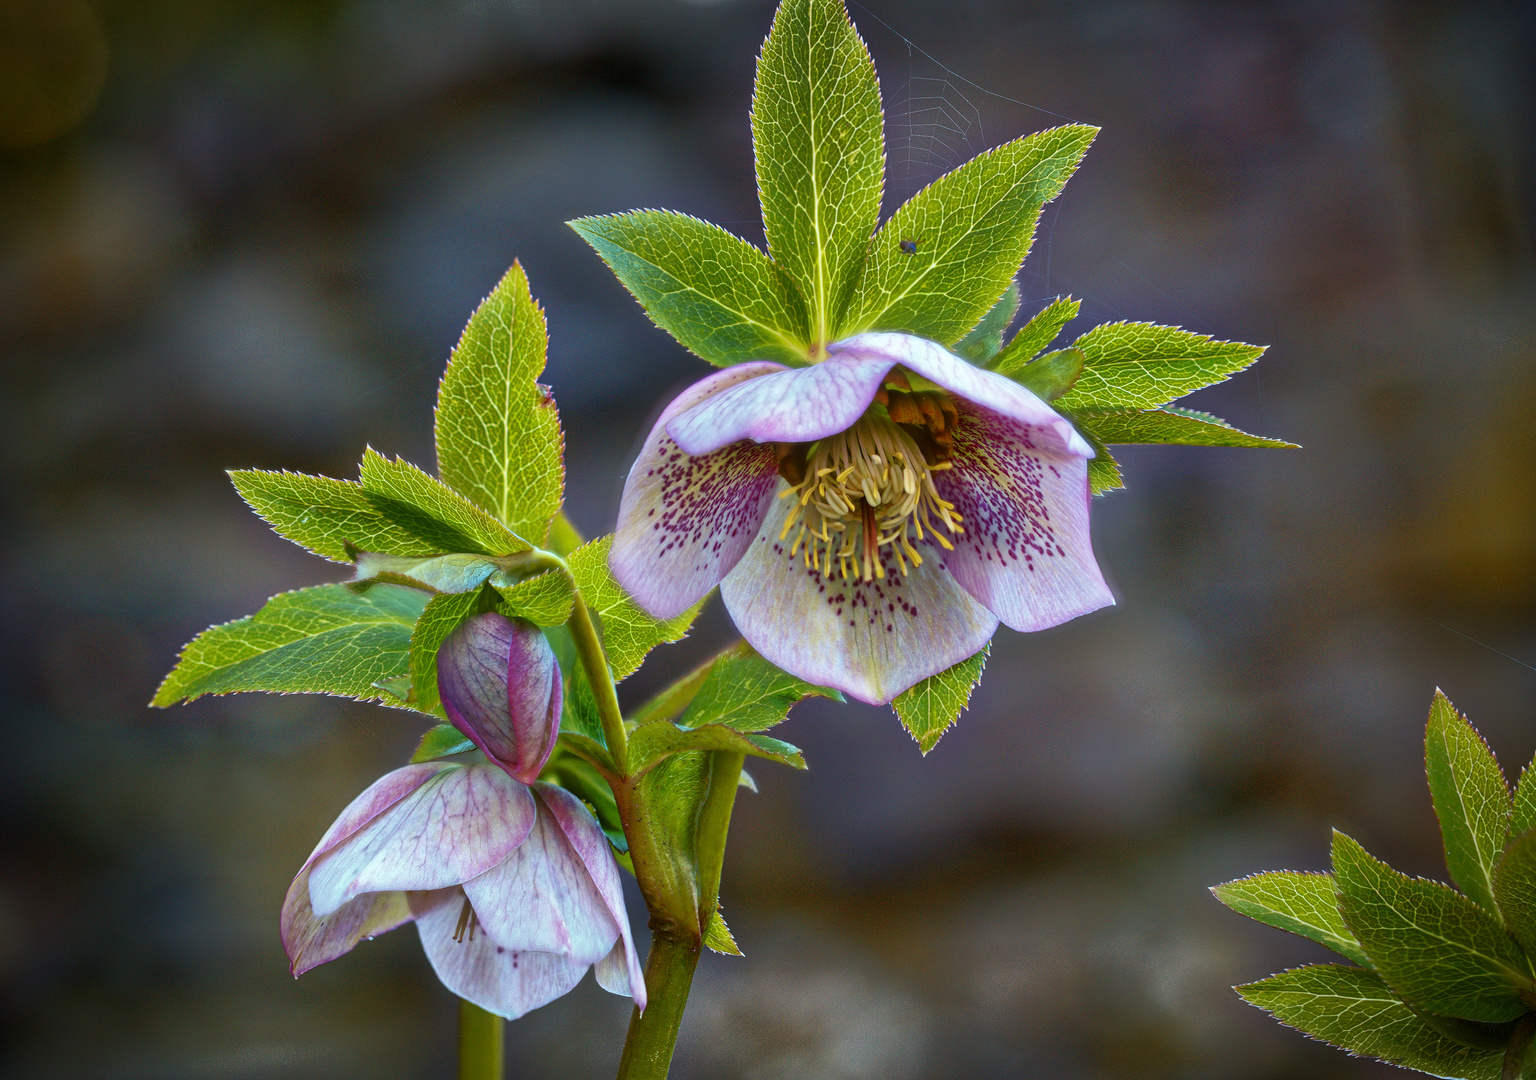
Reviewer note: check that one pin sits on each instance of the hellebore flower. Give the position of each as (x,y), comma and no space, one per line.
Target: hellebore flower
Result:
(914,513)
(510,882)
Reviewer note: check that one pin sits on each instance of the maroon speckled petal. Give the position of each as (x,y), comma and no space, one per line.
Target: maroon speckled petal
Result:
(1026,553)
(500,685)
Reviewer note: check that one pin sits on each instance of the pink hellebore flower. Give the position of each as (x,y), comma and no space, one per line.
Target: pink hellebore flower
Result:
(510,882)
(910,521)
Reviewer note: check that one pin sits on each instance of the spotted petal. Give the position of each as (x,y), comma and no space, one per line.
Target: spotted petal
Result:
(869,640)
(541,898)
(505,981)
(455,826)
(1026,553)
(684,521)
(986,388)
(619,972)
(500,685)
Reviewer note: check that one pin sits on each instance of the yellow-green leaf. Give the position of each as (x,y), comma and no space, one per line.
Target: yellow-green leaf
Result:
(1170,424)
(332,518)
(1035,335)
(931,708)
(628,632)
(406,494)
(1144,365)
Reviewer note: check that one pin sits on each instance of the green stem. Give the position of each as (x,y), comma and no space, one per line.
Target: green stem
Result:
(482,1043)
(595,661)
(714,824)
(1518,1048)
(653,1034)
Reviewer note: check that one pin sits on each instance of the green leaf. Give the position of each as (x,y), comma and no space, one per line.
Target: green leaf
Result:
(1351,1008)
(816,132)
(651,743)
(439,574)
(628,632)
(1304,904)
(331,518)
(718,295)
(1051,376)
(544,599)
(1514,887)
(986,338)
(972,228)
(498,433)
(441,741)
(718,936)
(1144,365)
(440,618)
(931,708)
(323,640)
(432,510)
(1471,799)
(1437,950)
(578,711)
(1035,335)
(672,793)
(1103,469)
(1170,424)
(746,692)
(1522,818)
(399,688)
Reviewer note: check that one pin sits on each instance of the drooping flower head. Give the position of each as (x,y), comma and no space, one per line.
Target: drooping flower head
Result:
(869,518)
(510,882)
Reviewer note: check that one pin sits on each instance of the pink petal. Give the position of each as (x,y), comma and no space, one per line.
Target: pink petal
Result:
(310,941)
(541,898)
(507,982)
(455,826)
(378,797)
(1026,553)
(683,520)
(996,392)
(870,641)
(500,685)
(789,405)
(591,846)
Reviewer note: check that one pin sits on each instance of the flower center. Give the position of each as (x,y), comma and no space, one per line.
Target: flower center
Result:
(864,489)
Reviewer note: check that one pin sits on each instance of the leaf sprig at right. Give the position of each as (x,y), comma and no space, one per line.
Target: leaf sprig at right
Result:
(1446,979)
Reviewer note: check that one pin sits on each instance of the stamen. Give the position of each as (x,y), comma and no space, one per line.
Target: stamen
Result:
(467,919)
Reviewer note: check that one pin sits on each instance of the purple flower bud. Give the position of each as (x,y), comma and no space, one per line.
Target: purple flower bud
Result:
(500,685)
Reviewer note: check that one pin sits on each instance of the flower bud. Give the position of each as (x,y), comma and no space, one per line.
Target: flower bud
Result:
(500,686)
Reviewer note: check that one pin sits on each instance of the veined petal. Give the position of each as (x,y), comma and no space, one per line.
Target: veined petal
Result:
(789,405)
(504,981)
(310,940)
(1026,553)
(500,685)
(619,972)
(375,799)
(869,640)
(685,520)
(986,388)
(455,826)
(541,898)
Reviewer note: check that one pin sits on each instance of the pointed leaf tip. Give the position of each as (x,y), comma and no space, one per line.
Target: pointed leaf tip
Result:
(1470,797)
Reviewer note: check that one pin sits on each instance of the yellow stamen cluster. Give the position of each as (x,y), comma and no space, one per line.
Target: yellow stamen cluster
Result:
(864,489)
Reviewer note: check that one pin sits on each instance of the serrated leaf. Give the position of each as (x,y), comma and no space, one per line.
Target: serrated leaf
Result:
(433,510)
(1145,365)
(441,617)
(440,741)
(1052,375)
(1522,817)
(1471,799)
(1435,948)
(986,338)
(722,298)
(816,134)
(931,708)
(653,742)
(1514,887)
(1035,335)
(499,442)
(1352,1009)
(1103,469)
(1304,904)
(323,640)
(328,517)
(628,632)
(718,936)
(545,599)
(1170,424)
(578,713)
(440,573)
(398,687)
(746,692)
(972,228)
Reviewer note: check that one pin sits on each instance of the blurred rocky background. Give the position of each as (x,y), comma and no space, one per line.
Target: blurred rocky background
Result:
(243,233)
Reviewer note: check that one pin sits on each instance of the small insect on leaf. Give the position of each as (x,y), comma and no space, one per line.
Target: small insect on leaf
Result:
(908,247)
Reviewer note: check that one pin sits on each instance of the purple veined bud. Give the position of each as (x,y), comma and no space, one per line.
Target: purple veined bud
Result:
(500,686)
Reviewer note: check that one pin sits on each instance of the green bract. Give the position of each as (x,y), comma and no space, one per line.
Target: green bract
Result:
(1446,983)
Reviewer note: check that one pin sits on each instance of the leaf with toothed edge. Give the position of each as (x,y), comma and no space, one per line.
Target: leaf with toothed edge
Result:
(441,741)
(1470,797)
(1035,335)
(628,632)
(986,338)
(746,692)
(718,936)
(931,708)
(1304,904)
(1146,365)
(332,518)
(425,504)
(650,744)
(1168,425)
(441,617)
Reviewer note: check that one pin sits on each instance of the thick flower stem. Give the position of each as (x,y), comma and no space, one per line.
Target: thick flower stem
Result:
(482,1042)
(590,649)
(653,1034)
(714,824)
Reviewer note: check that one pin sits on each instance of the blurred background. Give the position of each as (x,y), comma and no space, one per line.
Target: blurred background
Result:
(239,233)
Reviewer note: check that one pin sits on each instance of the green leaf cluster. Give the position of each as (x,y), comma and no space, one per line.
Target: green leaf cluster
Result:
(1446,981)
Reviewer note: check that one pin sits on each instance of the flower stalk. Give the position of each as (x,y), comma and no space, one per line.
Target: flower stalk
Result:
(482,1043)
